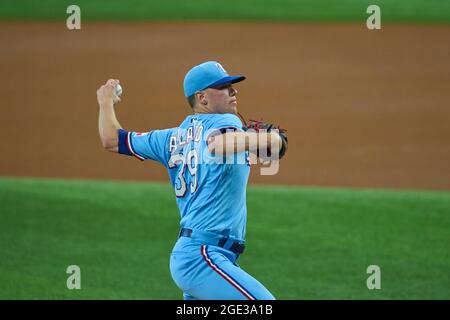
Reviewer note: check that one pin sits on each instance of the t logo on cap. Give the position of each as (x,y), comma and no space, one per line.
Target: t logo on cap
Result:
(218,65)
(206,75)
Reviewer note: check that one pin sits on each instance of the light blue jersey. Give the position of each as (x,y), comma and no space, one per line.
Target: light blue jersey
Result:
(210,193)
(210,190)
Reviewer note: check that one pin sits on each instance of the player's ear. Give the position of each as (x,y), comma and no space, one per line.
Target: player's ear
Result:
(201,97)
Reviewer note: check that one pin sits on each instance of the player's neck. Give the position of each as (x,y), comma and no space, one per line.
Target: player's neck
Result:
(200,109)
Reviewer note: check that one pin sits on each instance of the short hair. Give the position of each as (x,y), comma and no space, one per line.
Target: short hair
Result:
(191,100)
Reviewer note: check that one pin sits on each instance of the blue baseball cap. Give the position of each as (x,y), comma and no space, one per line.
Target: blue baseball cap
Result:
(206,75)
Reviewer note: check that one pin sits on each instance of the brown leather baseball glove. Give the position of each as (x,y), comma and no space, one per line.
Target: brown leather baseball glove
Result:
(260,125)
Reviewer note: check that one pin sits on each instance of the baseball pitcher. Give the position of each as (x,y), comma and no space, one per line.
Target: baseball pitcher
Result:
(207,158)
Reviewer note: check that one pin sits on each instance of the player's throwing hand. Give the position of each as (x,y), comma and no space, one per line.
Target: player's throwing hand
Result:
(106,94)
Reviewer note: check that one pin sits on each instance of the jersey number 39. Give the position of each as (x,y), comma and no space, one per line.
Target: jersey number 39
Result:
(190,162)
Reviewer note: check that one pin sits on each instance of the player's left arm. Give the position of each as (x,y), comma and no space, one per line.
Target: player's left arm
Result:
(149,145)
(108,125)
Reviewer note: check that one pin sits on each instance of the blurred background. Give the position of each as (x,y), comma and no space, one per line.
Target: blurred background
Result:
(367,113)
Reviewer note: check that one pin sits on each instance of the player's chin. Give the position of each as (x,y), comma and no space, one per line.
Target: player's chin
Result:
(233,108)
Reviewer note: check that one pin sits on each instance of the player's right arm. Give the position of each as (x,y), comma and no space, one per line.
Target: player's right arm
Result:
(226,135)
(108,125)
(239,141)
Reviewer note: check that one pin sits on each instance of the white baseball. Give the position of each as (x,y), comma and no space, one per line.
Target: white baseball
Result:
(118,90)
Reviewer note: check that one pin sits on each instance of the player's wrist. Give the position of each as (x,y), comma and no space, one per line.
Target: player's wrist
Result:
(106,104)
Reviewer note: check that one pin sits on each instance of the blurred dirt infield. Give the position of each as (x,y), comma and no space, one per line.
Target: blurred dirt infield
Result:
(363,108)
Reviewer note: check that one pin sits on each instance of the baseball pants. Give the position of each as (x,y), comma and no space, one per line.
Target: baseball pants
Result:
(207,272)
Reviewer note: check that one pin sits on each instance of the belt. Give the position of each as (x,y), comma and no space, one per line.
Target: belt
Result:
(214,239)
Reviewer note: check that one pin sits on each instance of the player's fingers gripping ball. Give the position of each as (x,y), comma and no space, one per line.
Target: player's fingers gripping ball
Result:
(110,91)
(118,90)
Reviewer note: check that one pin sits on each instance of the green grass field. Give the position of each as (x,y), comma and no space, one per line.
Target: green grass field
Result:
(303,243)
(243,10)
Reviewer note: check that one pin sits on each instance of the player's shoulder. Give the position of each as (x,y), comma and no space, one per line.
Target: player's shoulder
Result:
(160,135)
(215,120)
(162,132)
